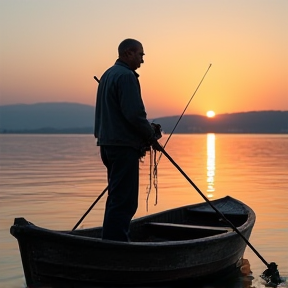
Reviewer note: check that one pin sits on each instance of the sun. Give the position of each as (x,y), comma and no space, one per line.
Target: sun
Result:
(210,114)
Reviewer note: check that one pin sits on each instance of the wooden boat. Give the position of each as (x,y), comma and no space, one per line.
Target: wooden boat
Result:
(189,242)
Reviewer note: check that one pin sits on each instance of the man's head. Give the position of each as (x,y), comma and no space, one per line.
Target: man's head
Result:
(131,52)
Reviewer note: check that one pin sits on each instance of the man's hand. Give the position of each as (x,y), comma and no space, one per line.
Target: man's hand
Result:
(157,130)
(157,146)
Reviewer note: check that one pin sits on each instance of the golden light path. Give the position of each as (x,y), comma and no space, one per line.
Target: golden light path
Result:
(210,164)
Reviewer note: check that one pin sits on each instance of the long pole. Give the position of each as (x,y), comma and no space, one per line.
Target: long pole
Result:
(272,267)
(160,148)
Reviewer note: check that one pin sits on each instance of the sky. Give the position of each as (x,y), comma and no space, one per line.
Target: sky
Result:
(51,49)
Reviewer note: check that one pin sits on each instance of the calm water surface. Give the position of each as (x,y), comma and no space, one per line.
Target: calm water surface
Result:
(52,180)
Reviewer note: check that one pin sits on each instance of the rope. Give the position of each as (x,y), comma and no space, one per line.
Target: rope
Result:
(153,178)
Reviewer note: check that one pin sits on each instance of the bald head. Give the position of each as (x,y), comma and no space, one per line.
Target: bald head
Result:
(128,45)
(131,52)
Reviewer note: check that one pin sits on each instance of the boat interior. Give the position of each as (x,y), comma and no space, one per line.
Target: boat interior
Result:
(194,225)
(184,224)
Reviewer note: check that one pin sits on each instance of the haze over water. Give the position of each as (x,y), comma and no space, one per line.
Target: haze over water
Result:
(52,180)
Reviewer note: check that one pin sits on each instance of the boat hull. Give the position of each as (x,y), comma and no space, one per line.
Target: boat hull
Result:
(52,257)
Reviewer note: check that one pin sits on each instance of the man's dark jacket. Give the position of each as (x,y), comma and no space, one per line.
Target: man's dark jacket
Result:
(120,117)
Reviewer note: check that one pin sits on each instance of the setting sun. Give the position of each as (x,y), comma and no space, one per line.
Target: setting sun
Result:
(210,114)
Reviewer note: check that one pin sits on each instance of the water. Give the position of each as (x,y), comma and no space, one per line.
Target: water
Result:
(52,180)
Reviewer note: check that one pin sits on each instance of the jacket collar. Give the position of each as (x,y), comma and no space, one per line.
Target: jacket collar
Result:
(121,63)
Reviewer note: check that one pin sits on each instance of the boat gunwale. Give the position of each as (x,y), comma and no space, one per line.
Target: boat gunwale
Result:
(64,235)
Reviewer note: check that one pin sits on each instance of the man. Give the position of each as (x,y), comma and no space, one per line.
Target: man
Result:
(122,130)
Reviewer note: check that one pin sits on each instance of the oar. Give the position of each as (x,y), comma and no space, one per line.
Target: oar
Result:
(271,273)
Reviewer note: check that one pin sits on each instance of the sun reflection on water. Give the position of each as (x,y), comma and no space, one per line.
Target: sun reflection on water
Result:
(210,164)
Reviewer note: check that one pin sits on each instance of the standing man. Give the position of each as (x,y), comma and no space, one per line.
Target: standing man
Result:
(122,130)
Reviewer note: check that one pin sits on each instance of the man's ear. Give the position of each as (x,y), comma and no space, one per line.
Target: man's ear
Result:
(128,52)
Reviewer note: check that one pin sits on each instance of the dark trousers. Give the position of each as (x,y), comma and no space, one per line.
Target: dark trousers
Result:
(123,182)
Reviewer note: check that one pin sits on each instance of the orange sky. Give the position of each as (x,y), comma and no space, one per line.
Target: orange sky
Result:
(51,49)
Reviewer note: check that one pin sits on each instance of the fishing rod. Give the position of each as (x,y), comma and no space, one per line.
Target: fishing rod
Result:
(157,162)
(271,274)
(184,110)
(100,196)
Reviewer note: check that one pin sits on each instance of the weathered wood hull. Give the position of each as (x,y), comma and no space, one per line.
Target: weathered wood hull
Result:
(183,243)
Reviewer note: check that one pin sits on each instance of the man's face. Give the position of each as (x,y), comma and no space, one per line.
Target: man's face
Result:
(136,57)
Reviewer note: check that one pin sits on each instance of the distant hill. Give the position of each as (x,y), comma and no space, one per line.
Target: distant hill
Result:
(244,122)
(78,118)
(46,117)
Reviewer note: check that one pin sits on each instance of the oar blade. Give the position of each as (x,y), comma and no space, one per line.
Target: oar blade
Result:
(271,275)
